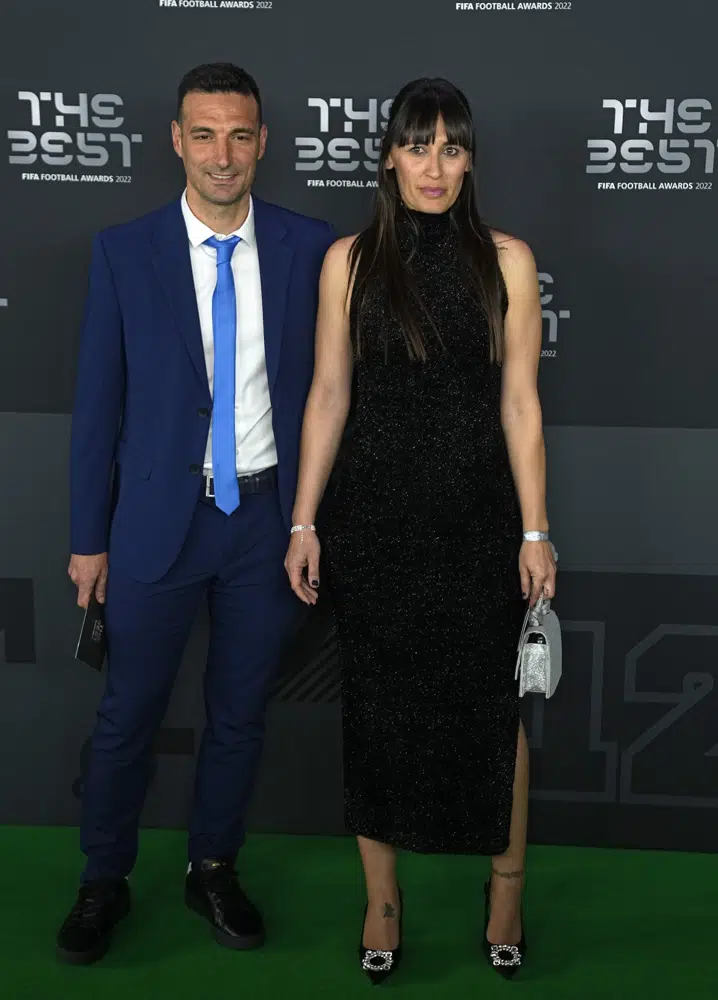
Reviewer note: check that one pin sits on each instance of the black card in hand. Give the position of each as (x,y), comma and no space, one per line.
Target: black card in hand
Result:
(92,644)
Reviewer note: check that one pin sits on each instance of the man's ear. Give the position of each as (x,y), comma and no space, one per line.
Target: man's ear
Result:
(263,132)
(177,138)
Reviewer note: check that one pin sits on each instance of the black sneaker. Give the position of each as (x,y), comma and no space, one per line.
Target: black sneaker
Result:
(212,890)
(86,933)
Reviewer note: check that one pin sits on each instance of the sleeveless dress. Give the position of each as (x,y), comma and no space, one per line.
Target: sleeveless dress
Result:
(421,541)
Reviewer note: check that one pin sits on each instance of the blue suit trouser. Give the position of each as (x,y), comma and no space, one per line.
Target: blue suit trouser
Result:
(237,562)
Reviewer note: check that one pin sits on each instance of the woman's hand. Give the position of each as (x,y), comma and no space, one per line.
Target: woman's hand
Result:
(303,552)
(537,567)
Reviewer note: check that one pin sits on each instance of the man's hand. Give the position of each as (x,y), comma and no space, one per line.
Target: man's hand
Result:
(89,573)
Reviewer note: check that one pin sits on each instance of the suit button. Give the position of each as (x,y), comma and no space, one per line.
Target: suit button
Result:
(195,469)
(203,411)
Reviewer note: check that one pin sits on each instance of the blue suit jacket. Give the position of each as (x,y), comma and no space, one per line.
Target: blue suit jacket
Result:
(143,406)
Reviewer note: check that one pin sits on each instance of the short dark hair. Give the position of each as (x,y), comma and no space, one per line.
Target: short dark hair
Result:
(218,78)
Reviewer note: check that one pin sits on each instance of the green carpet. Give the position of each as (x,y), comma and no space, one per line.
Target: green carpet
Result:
(600,924)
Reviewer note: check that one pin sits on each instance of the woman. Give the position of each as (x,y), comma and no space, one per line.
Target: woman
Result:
(438,527)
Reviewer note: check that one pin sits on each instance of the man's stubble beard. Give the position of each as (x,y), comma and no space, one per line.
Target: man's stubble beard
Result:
(244,189)
(226,202)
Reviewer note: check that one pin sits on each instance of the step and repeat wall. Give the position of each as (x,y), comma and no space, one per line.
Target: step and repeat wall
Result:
(597,123)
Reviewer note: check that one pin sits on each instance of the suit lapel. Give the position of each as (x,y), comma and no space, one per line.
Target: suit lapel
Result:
(275,265)
(170,257)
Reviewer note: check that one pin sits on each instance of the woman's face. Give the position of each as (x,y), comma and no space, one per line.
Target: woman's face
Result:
(429,177)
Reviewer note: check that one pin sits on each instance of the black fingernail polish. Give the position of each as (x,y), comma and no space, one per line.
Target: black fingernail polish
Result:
(315,583)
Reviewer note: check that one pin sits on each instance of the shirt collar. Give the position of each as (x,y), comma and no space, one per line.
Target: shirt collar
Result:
(197,232)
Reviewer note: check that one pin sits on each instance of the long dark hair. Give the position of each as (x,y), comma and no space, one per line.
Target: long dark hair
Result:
(376,254)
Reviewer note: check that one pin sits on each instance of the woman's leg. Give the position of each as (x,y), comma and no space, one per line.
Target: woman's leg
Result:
(381,929)
(508,869)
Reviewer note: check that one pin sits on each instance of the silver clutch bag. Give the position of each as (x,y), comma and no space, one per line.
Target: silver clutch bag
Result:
(538,666)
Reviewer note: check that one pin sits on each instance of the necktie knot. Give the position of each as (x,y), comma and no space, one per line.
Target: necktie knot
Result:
(224,248)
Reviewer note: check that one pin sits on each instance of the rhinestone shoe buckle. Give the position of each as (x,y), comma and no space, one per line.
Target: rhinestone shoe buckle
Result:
(387,959)
(497,949)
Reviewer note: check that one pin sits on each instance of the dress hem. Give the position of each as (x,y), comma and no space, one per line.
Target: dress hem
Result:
(403,844)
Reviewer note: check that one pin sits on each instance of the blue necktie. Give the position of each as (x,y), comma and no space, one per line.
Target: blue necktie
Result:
(224,331)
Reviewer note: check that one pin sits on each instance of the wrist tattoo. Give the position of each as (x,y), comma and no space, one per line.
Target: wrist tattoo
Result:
(389,910)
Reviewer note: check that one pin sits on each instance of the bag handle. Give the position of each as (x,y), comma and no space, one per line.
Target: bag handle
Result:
(540,609)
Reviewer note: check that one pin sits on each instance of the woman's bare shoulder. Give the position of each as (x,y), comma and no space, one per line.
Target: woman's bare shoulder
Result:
(513,249)
(336,268)
(338,252)
(515,260)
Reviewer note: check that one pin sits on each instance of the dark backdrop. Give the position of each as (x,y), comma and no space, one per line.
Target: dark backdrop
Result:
(597,132)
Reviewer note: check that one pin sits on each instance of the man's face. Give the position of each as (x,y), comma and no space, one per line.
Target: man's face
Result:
(219,140)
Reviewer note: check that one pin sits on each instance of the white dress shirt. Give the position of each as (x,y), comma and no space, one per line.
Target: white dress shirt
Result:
(254,435)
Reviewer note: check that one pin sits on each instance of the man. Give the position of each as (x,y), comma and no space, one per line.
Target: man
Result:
(195,363)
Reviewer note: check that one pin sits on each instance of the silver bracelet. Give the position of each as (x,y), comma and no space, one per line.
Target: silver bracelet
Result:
(535,536)
(302,527)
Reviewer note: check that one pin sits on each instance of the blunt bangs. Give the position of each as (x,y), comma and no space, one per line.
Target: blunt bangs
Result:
(416,122)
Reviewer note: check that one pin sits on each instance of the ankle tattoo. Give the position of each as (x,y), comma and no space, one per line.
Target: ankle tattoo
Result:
(515,874)
(389,910)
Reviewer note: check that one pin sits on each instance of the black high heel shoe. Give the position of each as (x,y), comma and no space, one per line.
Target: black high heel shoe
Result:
(378,964)
(506,959)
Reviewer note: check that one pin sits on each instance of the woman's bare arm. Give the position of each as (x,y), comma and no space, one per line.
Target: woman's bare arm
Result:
(327,406)
(520,407)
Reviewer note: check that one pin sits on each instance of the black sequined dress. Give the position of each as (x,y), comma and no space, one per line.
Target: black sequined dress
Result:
(421,546)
